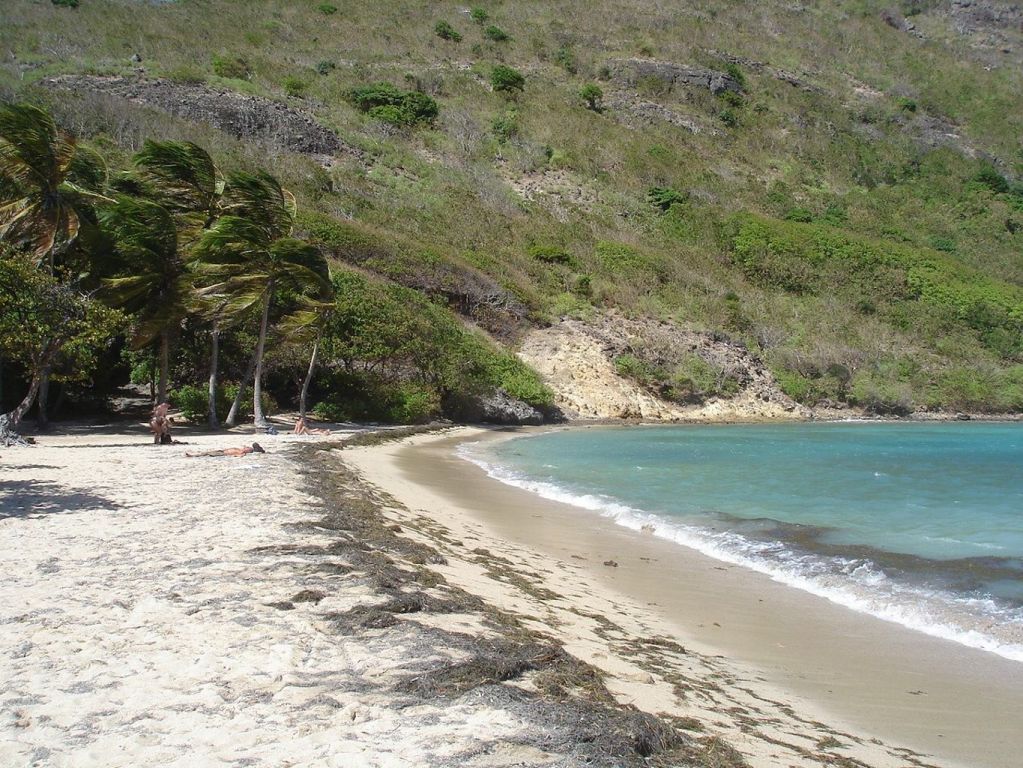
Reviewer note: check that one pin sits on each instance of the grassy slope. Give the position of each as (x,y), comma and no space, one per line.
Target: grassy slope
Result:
(847,153)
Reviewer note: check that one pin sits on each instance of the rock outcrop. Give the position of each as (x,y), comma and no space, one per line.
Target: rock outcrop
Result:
(241,116)
(631,72)
(576,359)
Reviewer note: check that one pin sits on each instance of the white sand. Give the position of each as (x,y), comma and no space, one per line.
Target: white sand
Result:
(134,629)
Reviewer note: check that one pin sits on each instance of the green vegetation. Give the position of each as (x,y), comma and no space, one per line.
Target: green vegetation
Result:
(593,96)
(496,34)
(389,104)
(445,31)
(504,78)
(853,214)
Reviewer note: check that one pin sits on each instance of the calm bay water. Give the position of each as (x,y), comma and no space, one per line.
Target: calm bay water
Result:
(921,524)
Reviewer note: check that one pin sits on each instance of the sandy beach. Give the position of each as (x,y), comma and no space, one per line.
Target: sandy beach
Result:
(866,677)
(391,605)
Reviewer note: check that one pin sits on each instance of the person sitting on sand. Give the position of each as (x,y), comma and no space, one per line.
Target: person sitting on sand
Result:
(254,448)
(302,428)
(160,424)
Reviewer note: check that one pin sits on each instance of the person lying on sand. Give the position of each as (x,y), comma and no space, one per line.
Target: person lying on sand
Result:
(302,428)
(254,448)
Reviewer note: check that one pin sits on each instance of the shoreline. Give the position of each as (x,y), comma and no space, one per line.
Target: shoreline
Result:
(866,675)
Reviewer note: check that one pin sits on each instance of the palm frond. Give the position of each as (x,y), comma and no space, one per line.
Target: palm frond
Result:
(183,175)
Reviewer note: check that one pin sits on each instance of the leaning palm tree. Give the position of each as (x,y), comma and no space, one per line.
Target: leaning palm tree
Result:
(183,178)
(252,253)
(49,185)
(153,283)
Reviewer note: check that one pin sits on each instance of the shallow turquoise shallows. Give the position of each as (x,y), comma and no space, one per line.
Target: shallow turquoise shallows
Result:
(916,523)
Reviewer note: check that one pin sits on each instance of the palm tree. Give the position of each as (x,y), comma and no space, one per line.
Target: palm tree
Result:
(251,250)
(156,286)
(50,182)
(186,181)
(47,186)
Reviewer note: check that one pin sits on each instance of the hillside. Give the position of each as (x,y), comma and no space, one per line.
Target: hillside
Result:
(832,188)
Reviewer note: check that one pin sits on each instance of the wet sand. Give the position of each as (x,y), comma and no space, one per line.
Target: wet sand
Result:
(960,706)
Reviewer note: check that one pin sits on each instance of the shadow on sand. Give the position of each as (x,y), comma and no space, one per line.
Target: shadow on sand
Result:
(30,499)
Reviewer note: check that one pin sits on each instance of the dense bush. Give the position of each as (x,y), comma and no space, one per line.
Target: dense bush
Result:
(504,78)
(395,347)
(496,34)
(193,401)
(664,197)
(479,15)
(551,254)
(390,104)
(592,96)
(445,31)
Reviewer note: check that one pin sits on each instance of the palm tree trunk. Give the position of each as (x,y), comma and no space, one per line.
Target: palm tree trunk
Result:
(214,354)
(42,401)
(232,415)
(9,421)
(161,392)
(257,382)
(308,378)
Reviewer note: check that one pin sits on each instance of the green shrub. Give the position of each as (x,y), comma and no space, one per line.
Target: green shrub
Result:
(327,410)
(733,99)
(945,244)
(412,403)
(665,197)
(233,67)
(445,31)
(734,71)
(799,214)
(729,117)
(390,104)
(551,254)
(496,34)
(907,105)
(478,15)
(66,3)
(989,177)
(327,9)
(506,126)
(325,67)
(593,96)
(294,86)
(504,78)
(193,401)
(566,59)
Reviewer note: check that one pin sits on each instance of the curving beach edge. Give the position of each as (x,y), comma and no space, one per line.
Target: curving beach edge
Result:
(379,601)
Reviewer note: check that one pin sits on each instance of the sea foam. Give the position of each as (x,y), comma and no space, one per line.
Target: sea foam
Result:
(858,584)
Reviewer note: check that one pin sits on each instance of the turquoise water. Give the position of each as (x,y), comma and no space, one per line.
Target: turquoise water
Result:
(921,524)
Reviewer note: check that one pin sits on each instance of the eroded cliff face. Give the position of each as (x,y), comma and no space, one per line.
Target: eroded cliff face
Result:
(577,360)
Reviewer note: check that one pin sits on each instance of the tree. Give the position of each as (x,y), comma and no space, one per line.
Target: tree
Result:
(308,324)
(47,186)
(186,181)
(506,79)
(593,96)
(251,250)
(152,281)
(40,319)
(50,183)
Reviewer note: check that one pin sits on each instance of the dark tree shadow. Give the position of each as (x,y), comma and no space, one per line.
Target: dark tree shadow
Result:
(37,498)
